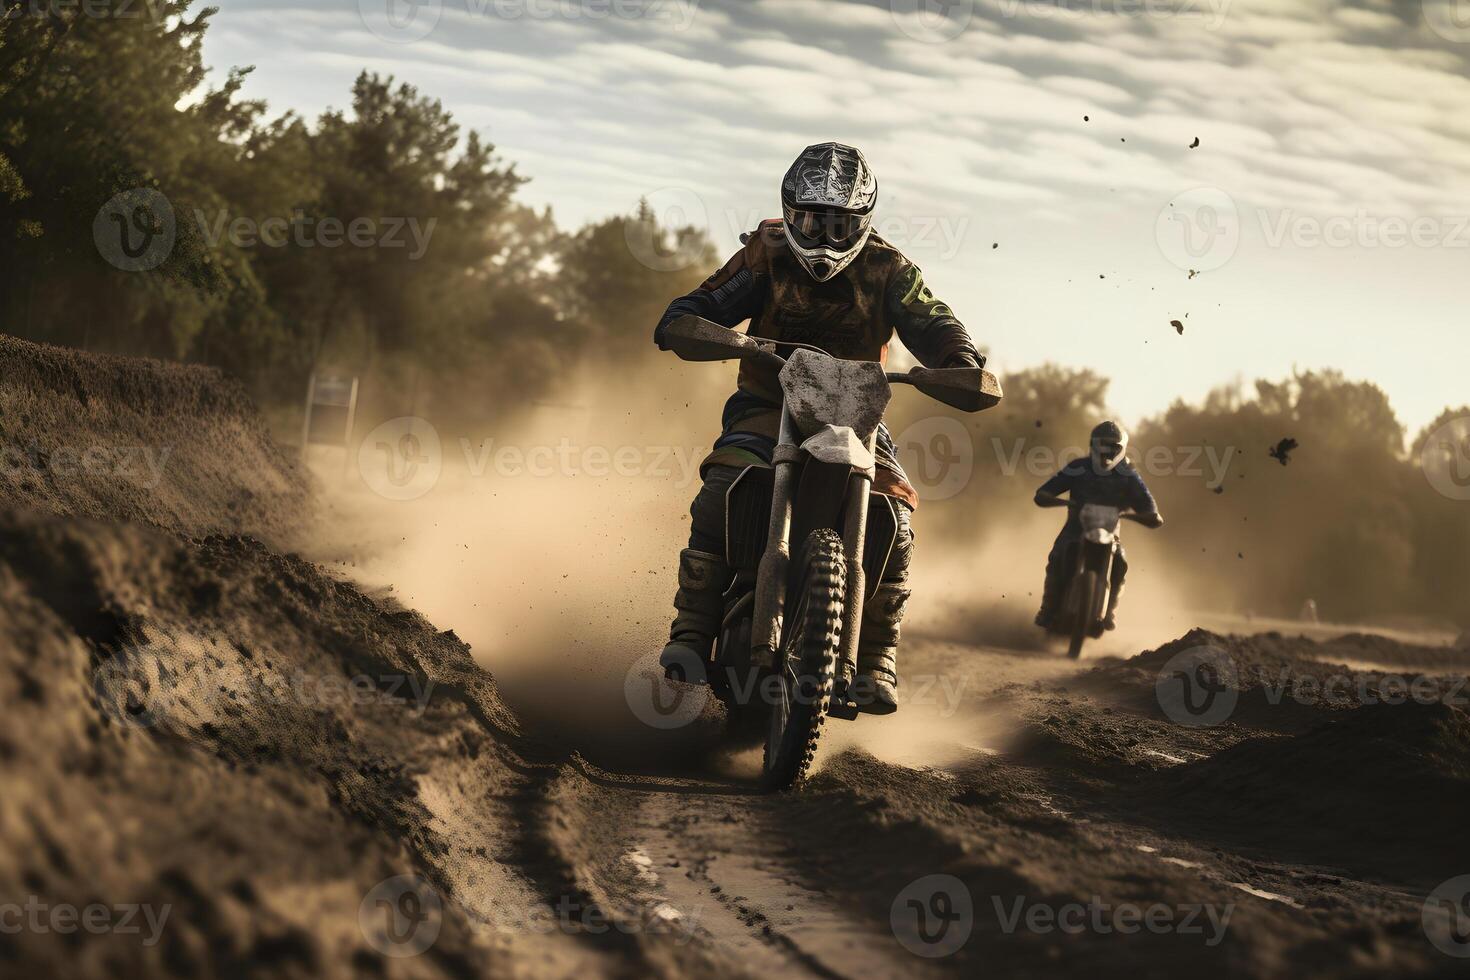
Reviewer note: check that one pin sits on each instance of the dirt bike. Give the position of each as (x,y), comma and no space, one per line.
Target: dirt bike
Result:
(787,647)
(1084,608)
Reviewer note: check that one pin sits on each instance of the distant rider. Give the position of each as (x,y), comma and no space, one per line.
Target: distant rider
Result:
(1104,476)
(818,275)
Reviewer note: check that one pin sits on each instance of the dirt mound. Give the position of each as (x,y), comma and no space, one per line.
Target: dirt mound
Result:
(217,760)
(1380,651)
(224,736)
(1279,683)
(1385,787)
(142,441)
(1255,656)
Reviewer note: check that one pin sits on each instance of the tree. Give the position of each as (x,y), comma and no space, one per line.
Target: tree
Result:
(90,106)
(1329,522)
(1439,463)
(619,275)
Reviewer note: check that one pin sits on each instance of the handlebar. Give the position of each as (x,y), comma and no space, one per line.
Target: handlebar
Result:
(694,338)
(1150,520)
(967,389)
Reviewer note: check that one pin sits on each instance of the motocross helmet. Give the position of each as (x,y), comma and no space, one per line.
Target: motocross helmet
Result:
(1108,446)
(827,200)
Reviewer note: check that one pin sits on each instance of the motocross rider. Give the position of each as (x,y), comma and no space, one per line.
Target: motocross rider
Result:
(818,275)
(1104,476)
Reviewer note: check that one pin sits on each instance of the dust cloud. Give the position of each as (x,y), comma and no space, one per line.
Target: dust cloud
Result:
(550,546)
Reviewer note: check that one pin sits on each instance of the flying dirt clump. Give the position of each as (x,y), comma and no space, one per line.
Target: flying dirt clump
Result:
(1281,452)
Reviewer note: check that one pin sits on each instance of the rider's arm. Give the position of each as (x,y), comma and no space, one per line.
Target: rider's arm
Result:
(928,327)
(1050,492)
(731,295)
(1145,508)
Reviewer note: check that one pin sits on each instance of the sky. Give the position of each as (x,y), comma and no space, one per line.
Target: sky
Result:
(1034,157)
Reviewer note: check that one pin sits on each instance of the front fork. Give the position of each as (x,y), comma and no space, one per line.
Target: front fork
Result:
(854,537)
(773,577)
(773,573)
(1105,578)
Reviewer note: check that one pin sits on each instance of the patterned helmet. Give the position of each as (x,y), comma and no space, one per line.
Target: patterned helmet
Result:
(827,200)
(1109,446)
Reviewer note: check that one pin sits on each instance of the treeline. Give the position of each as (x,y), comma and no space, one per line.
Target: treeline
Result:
(1349,517)
(144,211)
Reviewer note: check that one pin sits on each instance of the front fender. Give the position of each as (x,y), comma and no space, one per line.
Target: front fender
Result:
(839,445)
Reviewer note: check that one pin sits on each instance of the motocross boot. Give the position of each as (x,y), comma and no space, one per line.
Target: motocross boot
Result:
(1046,616)
(874,689)
(700,604)
(1052,587)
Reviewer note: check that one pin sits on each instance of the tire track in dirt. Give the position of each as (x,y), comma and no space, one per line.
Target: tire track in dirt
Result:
(693,872)
(501,879)
(756,904)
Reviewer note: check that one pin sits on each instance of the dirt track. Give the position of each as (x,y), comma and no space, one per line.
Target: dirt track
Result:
(1073,789)
(195,721)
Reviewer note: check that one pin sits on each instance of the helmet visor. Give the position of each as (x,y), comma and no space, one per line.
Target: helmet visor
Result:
(1108,451)
(825,228)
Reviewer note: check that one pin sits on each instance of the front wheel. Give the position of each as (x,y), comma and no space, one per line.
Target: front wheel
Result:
(801,684)
(1084,600)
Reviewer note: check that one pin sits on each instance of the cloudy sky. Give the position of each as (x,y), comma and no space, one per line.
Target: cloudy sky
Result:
(1325,211)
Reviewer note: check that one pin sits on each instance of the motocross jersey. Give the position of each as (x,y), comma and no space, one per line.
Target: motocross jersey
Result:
(1120,487)
(853,315)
